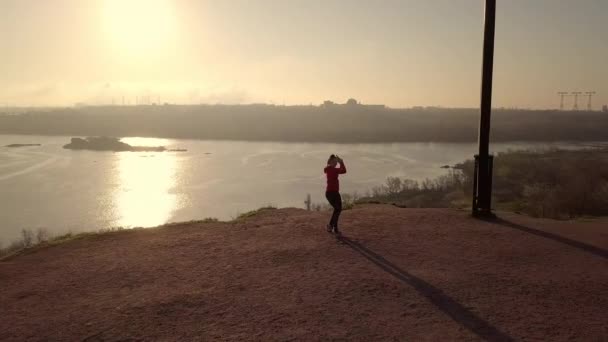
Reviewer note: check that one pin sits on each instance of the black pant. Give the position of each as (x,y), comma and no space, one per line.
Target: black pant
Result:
(335,200)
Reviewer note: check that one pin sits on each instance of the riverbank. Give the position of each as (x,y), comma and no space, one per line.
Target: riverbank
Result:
(433,274)
(558,184)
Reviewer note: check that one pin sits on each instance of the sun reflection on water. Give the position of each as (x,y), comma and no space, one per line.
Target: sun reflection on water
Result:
(145,182)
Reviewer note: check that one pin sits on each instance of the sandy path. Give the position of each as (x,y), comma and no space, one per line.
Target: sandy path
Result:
(399,274)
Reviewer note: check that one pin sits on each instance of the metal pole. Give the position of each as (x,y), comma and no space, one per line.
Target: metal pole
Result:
(486,78)
(483,192)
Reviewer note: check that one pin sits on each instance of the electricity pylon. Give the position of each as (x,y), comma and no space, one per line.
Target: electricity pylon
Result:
(590,95)
(575,94)
(562,94)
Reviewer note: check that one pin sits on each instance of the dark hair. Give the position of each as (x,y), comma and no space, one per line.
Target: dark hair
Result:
(330,158)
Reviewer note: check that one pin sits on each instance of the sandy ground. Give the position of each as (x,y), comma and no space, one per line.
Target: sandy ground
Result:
(398,274)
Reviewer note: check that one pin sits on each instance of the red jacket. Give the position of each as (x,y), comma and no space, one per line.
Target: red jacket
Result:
(332,176)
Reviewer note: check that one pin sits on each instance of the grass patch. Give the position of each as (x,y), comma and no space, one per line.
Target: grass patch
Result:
(348,202)
(33,240)
(181,223)
(254,212)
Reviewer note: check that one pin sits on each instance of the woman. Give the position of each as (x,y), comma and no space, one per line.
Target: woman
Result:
(332,192)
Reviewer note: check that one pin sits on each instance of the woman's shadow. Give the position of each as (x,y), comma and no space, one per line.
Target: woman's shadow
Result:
(443,302)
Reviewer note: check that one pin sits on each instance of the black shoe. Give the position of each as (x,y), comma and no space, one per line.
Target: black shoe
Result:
(336,231)
(329,228)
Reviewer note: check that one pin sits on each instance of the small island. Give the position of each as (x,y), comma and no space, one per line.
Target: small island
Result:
(109,144)
(21,145)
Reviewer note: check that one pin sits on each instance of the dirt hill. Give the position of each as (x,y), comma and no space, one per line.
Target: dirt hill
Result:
(397,274)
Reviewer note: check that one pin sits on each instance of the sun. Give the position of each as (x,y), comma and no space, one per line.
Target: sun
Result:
(138,27)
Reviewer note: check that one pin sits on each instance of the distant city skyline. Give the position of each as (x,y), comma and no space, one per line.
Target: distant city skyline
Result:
(399,53)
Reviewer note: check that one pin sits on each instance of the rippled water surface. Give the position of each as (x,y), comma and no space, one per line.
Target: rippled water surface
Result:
(64,190)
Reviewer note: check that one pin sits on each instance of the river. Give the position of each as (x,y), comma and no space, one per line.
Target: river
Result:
(63,190)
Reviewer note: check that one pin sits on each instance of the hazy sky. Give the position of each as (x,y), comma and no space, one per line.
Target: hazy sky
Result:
(396,52)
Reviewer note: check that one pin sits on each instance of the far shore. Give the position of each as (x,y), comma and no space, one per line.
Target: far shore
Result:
(329,123)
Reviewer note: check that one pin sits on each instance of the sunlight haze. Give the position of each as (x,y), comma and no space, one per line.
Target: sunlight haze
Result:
(399,53)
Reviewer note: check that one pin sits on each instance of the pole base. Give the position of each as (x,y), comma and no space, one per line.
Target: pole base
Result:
(482,186)
(484,215)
